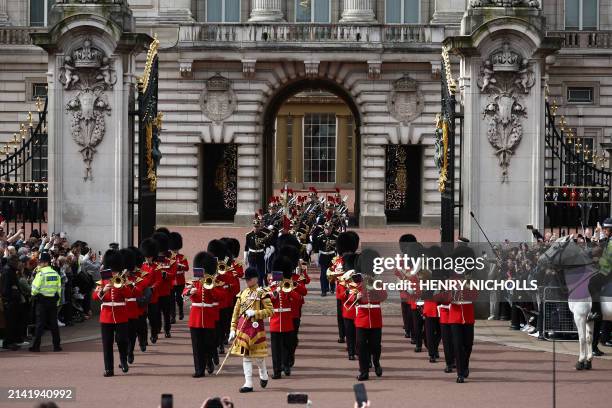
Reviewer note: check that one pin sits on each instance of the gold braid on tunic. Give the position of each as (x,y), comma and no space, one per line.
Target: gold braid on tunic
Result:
(247,344)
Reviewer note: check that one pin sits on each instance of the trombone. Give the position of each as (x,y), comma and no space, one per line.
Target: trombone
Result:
(353,289)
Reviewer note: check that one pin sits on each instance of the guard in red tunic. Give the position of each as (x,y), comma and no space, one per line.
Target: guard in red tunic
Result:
(406,241)
(346,243)
(150,250)
(368,321)
(143,287)
(202,316)
(349,305)
(284,300)
(113,292)
(182,267)
(133,311)
(224,278)
(445,333)
(168,273)
(430,307)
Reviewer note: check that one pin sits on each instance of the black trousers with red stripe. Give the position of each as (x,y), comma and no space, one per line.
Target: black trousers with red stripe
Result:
(282,347)
(417,327)
(351,335)
(202,343)
(447,344)
(369,345)
(432,330)
(111,333)
(340,319)
(463,340)
(407,319)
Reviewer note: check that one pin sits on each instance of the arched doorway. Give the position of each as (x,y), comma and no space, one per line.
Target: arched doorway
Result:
(342,155)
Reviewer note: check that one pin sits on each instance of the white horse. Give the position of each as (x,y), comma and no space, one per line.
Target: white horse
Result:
(578,267)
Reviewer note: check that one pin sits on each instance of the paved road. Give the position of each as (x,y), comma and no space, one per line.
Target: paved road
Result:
(501,376)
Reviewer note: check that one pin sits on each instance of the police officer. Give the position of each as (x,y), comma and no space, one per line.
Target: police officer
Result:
(46,289)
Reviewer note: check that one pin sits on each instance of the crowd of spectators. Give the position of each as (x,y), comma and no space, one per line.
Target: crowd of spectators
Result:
(525,310)
(76,263)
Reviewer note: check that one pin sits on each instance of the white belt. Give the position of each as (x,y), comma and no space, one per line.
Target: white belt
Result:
(215,304)
(130,299)
(113,304)
(462,302)
(327,253)
(282,309)
(420,303)
(180,272)
(442,307)
(225,286)
(203,304)
(256,250)
(369,306)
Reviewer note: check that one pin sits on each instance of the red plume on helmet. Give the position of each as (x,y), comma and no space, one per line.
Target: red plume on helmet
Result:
(337,190)
(286,223)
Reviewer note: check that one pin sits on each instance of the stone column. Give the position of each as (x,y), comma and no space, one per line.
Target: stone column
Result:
(357,11)
(503,53)
(266,11)
(4,18)
(91,54)
(297,160)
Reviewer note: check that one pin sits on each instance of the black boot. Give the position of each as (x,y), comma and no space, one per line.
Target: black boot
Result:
(276,376)
(378,370)
(131,358)
(245,389)
(108,373)
(363,376)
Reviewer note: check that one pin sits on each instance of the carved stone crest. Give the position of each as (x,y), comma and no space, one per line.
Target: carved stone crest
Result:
(504,3)
(405,101)
(506,77)
(88,73)
(218,101)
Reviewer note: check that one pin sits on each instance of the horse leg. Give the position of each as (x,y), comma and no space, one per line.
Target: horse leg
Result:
(581,327)
(589,344)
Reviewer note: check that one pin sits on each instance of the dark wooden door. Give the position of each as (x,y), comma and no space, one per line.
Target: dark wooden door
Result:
(403,175)
(219,181)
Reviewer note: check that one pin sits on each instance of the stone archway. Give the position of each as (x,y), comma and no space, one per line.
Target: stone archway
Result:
(270,111)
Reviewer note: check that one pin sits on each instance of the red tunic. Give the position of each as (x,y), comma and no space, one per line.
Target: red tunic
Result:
(461,308)
(141,286)
(226,299)
(153,274)
(284,304)
(349,307)
(430,308)
(168,273)
(302,291)
(369,313)
(133,310)
(182,267)
(114,305)
(203,314)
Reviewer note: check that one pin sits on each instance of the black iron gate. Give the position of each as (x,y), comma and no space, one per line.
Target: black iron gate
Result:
(23,177)
(577,187)
(445,151)
(149,155)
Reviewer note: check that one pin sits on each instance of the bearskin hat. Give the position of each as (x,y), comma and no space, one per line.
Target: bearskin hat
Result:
(205,261)
(287,240)
(292,253)
(349,261)
(138,257)
(345,243)
(163,230)
(355,238)
(162,241)
(149,248)
(112,260)
(284,265)
(233,245)
(129,259)
(217,248)
(365,262)
(175,241)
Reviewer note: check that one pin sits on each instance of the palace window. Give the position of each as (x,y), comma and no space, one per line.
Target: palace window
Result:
(288,172)
(349,151)
(39,12)
(402,11)
(581,14)
(40,163)
(320,148)
(223,11)
(580,94)
(312,11)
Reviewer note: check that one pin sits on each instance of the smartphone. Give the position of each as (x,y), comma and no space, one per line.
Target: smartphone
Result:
(166,401)
(297,398)
(361,396)
(529,226)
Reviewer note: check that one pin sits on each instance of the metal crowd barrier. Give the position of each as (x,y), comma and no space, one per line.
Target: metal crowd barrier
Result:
(557,316)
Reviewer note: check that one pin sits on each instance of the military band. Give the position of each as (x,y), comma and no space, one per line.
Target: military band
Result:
(151,283)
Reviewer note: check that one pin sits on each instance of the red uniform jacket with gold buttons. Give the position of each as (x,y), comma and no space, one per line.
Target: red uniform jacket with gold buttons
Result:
(182,266)
(302,291)
(114,304)
(284,303)
(168,273)
(153,279)
(461,308)
(369,312)
(226,299)
(349,306)
(133,310)
(203,314)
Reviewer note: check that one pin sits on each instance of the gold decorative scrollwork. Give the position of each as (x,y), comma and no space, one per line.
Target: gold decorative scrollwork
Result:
(442,126)
(450,82)
(143,82)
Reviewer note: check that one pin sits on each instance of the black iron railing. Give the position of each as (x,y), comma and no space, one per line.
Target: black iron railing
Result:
(23,175)
(577,189)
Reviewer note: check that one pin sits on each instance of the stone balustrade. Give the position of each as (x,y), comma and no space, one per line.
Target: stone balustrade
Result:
(307,33)
(16,35)
(584,39)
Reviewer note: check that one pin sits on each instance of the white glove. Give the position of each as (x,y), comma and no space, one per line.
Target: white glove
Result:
(249,313)
(232,336)
(309,248)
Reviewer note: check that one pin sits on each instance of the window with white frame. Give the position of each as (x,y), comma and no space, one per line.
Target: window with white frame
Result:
(312,11)
(581,14)
(39,12)
(320,148)
(223,11)
(402,11)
